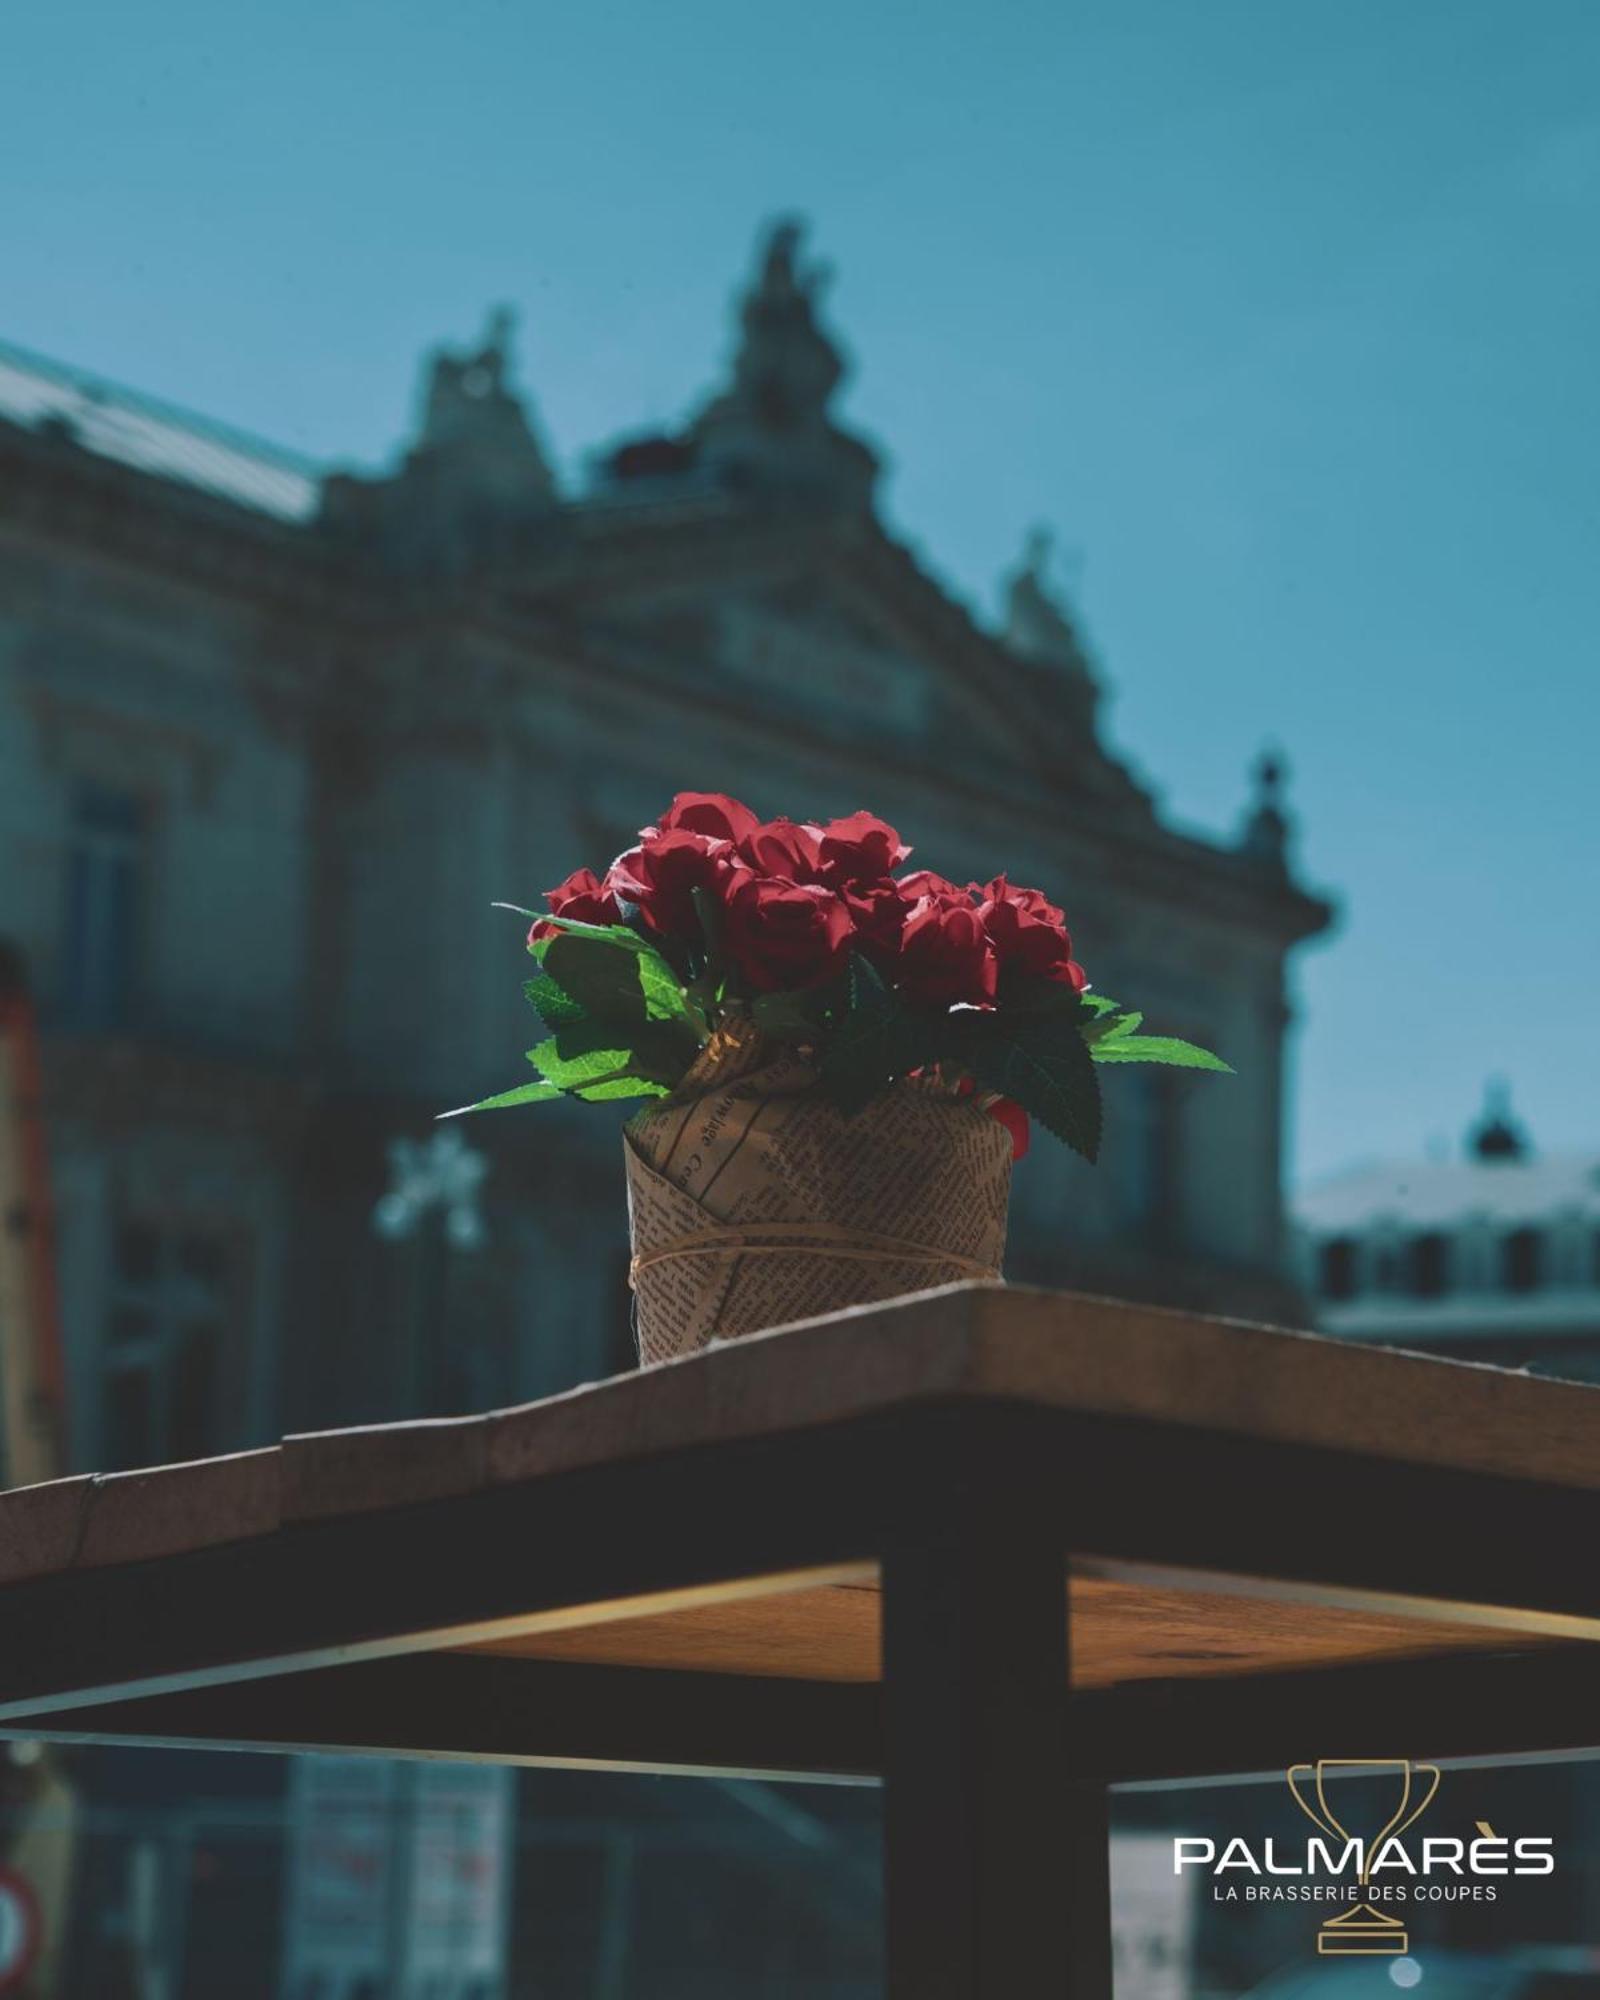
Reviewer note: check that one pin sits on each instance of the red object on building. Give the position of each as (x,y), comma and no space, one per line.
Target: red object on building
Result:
(21,1929)
(34,1410)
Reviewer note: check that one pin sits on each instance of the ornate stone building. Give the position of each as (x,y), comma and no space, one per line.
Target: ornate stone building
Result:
(272,739)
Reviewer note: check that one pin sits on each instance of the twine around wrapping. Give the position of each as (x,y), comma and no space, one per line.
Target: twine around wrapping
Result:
(799,1239)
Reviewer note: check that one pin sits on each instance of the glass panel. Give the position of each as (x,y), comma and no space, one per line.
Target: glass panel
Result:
(1522,1255)
(117,967)
(104,898)
(75,935)
(1338,1279)
(137,1254)
(1429,1261)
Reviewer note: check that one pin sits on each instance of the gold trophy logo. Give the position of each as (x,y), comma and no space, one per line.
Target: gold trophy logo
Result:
(1364,1930)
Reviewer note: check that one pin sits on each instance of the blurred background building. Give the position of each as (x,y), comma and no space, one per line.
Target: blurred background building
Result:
(272,738)
(1493,1256)
(273,741)
(1293,309)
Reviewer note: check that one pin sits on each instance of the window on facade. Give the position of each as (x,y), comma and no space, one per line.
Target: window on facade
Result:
(1338,1274)
(170,1301)
(1521,1256)
(1143,1154)
(103,922)
(1428,1257)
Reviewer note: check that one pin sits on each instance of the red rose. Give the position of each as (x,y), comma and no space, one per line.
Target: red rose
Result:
(661,874)
(923,882)
(711,813)
(785,934)
(782,848)
(878,911)
(861,848)
(1029,931)
(584,898)
(945,953)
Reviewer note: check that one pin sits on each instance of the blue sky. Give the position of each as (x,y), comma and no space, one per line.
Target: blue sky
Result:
(1286,316)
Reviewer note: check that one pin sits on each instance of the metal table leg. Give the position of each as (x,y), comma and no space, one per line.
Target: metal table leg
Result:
(995,1865)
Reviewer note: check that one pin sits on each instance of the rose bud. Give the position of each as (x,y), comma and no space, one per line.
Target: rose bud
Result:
(1008,1112)
(583,898)
(782,848)
(878,911)
(661,874)
(858,849)
(711,813)
(945,954)
(1028,931)
(783,934)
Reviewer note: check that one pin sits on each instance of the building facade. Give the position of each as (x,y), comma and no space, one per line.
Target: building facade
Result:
(272,739)
(1491,1257)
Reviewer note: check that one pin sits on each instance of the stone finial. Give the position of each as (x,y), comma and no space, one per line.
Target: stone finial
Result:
(469,406)
(1497,1135)
(1268,827)
(475,480)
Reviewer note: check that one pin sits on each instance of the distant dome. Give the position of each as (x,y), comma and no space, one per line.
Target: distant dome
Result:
(1497,1135)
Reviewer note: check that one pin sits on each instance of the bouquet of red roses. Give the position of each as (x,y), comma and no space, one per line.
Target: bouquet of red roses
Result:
(718,922)
(843,1059)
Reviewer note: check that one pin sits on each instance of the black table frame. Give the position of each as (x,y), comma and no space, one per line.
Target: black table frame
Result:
(327,1635)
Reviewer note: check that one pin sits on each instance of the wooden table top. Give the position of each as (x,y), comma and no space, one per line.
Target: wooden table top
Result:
(980,1344)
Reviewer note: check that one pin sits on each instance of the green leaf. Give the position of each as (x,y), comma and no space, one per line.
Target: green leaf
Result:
(525,1093)
(583,1054)
(1031,993)
(602,980)
(804,1015)
(1046,1067)
(1109,1027)
(587,979)
(1158,1049)
(552,1003)
(617,934)
(622,1086)
(876,1041)
(786,1017)
(1097,1003)
(591,1053)
(664,997)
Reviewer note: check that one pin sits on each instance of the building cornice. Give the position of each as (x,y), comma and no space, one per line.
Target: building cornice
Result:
(363,627)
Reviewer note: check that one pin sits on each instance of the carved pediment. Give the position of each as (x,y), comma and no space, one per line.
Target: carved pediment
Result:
(850,637)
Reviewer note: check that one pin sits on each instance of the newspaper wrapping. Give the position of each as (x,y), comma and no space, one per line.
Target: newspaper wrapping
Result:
(753,1201)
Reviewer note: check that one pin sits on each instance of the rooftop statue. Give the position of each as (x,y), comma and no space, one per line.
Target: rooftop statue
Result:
(771,428)
(469,407)
(1036,621)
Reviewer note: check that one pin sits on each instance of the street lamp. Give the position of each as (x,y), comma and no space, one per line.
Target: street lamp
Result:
(441,1171)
